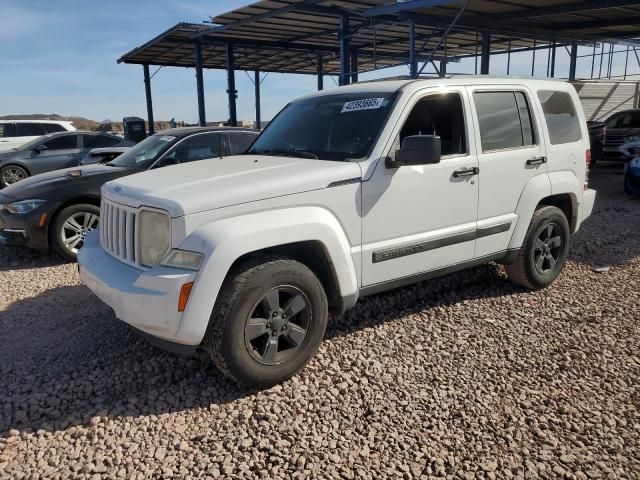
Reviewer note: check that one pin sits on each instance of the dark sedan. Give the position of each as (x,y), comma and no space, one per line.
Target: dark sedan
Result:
(52,152)
(622,127)
(57,209)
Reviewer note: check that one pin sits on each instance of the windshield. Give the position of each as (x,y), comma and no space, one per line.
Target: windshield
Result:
(145,152)
(327,127)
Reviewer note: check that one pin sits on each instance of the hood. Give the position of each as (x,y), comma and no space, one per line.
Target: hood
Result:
(215,183)
(50,182)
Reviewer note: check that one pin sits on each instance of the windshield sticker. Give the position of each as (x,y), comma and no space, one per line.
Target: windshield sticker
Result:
(363,104)
(167,138)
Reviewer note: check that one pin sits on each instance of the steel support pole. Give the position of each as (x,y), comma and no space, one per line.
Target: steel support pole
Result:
(533,58)
(256,86)
(231,86)
(354,68)
(485,54)
(413,60)
(343,36)
(147,92)
(320,70)
(601,58)
(509,57)
(202,121)
(610,62)
(626,63)
(593,60)
(573,59)
(553,58)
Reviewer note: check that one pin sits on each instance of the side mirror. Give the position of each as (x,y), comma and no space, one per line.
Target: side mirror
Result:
(39,148)
(417,150)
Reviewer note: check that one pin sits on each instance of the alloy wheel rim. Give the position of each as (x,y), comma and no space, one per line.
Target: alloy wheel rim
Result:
(12,175)
(75,229)
(548,248)
(278,325)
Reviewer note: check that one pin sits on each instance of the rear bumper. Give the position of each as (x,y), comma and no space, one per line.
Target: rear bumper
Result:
(145,299)
(586,207)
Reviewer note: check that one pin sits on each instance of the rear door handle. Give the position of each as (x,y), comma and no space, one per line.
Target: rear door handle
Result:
(466,172)
(537,161)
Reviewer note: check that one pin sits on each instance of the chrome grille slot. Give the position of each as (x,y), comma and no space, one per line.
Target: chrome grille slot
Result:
(117,231)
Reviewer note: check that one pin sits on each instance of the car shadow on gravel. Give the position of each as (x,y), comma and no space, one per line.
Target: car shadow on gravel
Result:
(19,258)
(66,359)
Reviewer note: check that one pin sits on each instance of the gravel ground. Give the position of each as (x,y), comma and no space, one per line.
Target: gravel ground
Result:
(466,377)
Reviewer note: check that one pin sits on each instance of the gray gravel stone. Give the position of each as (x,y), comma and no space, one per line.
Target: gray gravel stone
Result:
(466,376)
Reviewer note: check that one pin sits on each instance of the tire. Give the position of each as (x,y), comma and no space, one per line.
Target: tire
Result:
(70,226)
(527,270)
(243,350)
(10,174)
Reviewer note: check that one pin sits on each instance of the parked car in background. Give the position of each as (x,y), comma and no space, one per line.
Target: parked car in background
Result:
(631,152)
(52,152)
(101,155)
(597,138)
(621,128)
(14,133)
(57,209)
(346,193)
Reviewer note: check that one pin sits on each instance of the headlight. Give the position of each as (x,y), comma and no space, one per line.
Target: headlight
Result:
(183,259)
(23,206)
(155,237)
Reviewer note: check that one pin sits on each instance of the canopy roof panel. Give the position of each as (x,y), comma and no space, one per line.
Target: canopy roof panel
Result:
(288,36)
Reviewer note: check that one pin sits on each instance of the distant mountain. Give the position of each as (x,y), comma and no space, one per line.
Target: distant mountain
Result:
(80,123)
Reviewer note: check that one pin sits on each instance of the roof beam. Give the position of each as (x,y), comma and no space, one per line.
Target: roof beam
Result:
(536,12)
(406,6)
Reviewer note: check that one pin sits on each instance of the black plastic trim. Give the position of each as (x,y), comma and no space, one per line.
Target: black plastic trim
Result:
(414,248)
(340,183)
(420,277)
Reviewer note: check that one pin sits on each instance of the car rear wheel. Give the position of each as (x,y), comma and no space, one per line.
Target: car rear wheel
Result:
(268,321)
(71,227)
(11,174)
(544,250)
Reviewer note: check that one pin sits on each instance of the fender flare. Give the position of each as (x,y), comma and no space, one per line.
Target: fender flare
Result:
(535,190)
(225,241)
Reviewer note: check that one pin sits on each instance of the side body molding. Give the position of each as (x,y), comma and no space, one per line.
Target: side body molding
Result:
(224,241)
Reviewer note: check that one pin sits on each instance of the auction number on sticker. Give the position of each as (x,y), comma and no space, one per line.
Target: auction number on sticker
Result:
(362,104)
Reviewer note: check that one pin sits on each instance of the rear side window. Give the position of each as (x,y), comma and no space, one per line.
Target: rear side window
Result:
(53,127)
(561,117)
(505,120)
(30,129)
(240,142)
(99,141)
(63,142)
(7,130)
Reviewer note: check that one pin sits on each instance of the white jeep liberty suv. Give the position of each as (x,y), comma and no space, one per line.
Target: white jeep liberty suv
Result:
(346,193)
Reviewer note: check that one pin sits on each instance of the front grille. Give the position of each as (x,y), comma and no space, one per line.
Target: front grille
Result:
(118,231)
(614,140)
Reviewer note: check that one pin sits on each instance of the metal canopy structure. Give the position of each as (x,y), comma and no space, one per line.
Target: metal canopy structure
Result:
(349,37)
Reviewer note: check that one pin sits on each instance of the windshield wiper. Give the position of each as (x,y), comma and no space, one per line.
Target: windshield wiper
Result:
(283,151)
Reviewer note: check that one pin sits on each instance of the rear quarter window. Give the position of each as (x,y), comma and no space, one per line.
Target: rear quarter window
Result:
(7,130)
(561,117)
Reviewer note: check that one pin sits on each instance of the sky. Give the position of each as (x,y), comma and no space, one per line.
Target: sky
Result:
(60,57)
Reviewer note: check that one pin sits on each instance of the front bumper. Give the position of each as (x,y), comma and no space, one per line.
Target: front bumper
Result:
(23,230)
(145,299)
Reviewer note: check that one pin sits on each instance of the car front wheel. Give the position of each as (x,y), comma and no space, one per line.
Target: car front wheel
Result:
(71,227)
(268,321)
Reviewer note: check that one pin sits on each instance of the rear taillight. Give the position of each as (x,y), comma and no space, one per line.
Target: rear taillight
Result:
(586,174)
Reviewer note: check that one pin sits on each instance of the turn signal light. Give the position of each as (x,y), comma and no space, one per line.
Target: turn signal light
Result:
(185,291)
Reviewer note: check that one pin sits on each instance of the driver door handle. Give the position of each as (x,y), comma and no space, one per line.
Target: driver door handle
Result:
(537,161)
(466,172)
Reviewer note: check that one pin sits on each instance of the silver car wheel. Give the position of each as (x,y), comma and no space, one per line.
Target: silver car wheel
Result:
(75,229)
